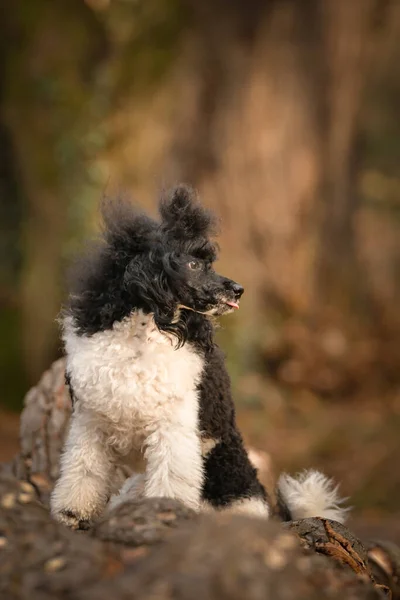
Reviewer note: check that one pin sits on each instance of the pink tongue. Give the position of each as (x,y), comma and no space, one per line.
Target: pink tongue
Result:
(233,304)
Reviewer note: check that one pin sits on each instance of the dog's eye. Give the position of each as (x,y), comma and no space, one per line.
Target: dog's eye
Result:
(194,265)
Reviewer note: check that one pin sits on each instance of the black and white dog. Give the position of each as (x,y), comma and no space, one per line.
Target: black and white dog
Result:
(147,376)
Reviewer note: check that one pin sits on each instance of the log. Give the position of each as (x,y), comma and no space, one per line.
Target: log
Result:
(43,426)
(384,559)
(159,548)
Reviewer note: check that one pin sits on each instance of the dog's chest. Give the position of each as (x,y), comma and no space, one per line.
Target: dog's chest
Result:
(133,374)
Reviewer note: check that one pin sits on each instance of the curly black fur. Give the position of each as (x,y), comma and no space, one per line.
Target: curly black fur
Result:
(143,264)
(165,268)
(230,474)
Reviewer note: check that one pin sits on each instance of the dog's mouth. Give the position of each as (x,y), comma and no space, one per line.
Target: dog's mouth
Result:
(232,304)
(226,306)
(222,307)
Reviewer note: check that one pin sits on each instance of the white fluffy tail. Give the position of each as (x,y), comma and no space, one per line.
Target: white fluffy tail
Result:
(312,494)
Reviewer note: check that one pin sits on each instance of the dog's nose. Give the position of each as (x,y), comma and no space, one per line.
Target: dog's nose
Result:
(237,290)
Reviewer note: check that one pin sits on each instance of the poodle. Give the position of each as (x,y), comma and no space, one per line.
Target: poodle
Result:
(146,375)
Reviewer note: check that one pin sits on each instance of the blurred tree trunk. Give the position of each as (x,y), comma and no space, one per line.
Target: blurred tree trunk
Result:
(266,98)
(270,136)
(348,28)
(50,55)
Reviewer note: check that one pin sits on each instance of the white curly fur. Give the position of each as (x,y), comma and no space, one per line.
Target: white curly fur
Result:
(133,390)
(251,507)
(312,494)
(134,488)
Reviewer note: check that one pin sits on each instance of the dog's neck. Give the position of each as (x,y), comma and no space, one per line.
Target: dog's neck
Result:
(195,328)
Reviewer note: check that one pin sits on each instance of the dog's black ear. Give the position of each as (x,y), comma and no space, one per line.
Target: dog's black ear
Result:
(183,217)
(124,226)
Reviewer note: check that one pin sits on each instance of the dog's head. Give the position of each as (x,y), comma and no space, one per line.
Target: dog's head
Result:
(162,267)
(188,256)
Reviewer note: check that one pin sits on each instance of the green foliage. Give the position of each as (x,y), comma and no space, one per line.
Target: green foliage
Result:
(147,36)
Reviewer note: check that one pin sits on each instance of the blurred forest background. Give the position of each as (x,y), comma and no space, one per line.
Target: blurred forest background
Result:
(285,116)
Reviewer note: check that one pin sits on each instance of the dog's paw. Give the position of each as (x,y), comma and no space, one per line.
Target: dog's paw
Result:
(77,503)
(72,520)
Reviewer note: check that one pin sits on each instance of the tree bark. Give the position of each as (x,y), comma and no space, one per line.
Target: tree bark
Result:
(345,56)
(158,545)
(157,548)
(43,427)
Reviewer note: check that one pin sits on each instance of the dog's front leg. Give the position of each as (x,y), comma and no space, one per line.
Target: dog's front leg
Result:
(82,489)
(174,463)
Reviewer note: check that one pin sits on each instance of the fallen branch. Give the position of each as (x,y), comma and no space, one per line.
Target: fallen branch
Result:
(159,548)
